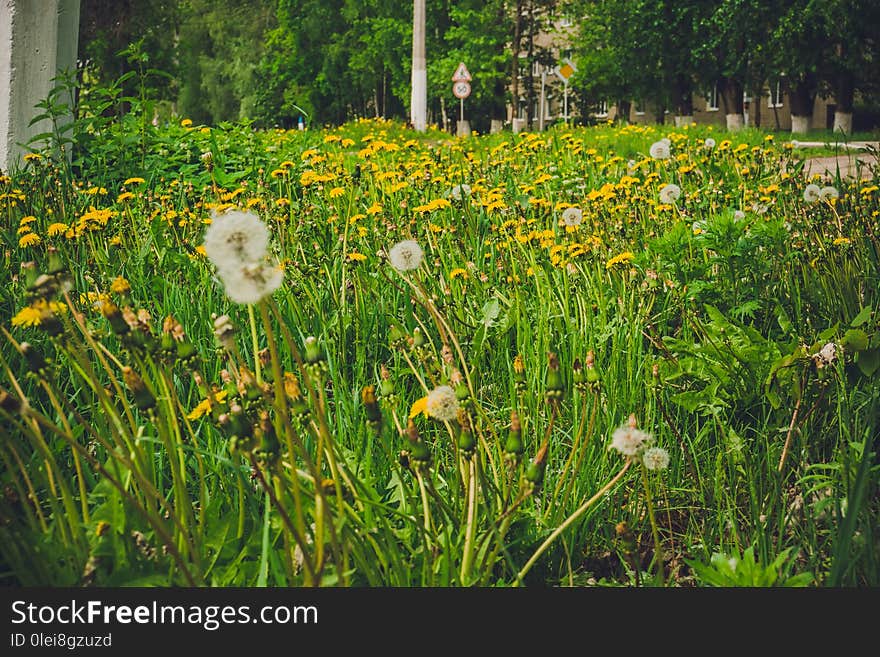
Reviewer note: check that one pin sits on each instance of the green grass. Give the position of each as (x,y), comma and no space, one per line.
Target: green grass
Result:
(703,324)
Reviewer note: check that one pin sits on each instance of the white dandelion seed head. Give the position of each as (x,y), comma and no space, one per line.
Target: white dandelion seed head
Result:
(631,164)
(670,193)
(739,215)
(442,404)
(406,255)
(251,282)
(460,190)
(235,237)
(709,143)
(572,216)
(828,193)
(655,458)
(811,193)
(826,355)
(629,441)
(667,141)
(659,150)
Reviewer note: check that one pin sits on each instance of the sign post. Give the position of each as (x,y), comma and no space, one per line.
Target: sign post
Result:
(461,89)
(564,73)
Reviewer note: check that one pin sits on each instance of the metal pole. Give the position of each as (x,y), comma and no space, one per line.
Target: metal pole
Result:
(565,100)
(541,103)
(462,109)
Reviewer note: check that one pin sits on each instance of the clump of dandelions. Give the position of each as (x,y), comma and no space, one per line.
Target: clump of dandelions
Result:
(442,404)
(670,193)
(572,216)
(628,440)
(660,150)
(406,255)
(237,243)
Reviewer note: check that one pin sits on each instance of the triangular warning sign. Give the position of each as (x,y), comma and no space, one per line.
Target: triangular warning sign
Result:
(461,74)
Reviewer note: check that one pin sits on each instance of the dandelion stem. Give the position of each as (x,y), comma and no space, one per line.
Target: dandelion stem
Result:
(567,522)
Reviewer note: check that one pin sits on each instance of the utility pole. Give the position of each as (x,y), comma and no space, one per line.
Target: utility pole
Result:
(419,98)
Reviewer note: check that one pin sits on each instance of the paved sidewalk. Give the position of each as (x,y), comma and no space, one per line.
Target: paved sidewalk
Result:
(851,164)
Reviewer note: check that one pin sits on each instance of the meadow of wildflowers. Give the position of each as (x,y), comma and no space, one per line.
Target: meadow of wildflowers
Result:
(365,357)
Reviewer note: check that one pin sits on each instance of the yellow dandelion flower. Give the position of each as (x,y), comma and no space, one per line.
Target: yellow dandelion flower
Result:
(620,258)
(31,239)
(186,123)
(22,230)
(420,406)
(374,209)
(347,142)
(32,157)
(120,286)
(27,220)
(204,406)
(458,272)
(356,257)
(34,314)
(116,240)
(124,196)
(133,181)
(336,192)
(840,241)
(201,251)
(57,228)
(282,202)
(205,130)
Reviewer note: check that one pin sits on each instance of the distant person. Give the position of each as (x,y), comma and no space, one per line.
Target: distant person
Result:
(301,124)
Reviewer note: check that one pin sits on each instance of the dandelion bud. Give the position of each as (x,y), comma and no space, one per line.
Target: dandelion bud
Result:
(314,353)
(519,371)
(418,449)
(535,470)
(298,405)
(29,273)
(554,386)
(269,444)
(466,441)
(592,373)
(371,408)
(143,398)
(513,446)
(56,263)
(446,354)
(418,339)
(396,337)
(113,315)
(579,377)
(9,402)
(36,363)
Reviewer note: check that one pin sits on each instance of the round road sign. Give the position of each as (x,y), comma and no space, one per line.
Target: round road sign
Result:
(461,89)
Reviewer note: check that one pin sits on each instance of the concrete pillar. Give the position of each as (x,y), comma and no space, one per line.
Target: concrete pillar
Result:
(518,125)
(419,96)
(38,40)
(497,125)
(463,128)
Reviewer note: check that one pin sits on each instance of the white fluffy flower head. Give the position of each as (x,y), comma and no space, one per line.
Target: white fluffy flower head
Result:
(656,458)
(670,193)
(235,237)
(709,143)
(828,193)
(442,404)
(659,150)
(572,216)
(811,193)
(629,440)
(251,281)
(826,355)
(406,255)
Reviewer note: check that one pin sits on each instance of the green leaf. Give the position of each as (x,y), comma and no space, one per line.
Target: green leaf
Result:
(868,361)
(863,316)
(855,340)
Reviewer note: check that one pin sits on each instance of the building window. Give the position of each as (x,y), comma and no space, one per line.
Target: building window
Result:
(774,98)
(712,99)
(602,109)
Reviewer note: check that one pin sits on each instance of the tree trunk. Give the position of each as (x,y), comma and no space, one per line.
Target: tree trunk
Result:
(844,92)
(623,109)
(731,92)
(514,52)
(802,95)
